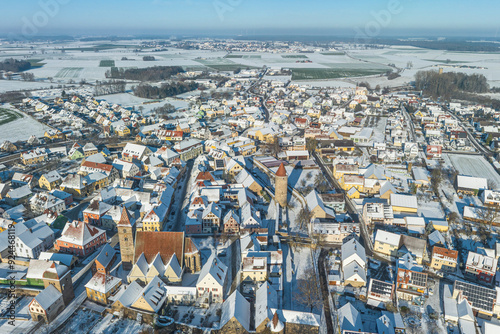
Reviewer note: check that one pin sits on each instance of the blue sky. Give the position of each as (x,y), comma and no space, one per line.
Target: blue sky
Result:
(329,17)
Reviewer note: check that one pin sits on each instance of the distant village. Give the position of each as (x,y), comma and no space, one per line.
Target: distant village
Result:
(278,208)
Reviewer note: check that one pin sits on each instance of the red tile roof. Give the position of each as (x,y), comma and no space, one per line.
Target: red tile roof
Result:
(281,170)
(165,243)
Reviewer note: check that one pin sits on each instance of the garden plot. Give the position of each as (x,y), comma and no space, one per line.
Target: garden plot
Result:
(475,166)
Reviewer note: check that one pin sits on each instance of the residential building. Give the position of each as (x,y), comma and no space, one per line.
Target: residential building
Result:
(443,259)
(211,280)
(80,239)
(102,286)
(47,305)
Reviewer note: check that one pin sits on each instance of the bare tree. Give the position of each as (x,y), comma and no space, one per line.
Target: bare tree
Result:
(305,215)
(488,215)
(309,294)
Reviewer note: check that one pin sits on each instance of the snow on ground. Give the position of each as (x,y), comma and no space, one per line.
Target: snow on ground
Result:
(21,128)
(193,316)
(9,85)
(325,83)
(301,262)
(299,178)
(110,325)
(129,100)
(475,166)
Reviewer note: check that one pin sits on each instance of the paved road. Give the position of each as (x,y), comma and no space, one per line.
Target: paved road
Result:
(471,136)
(349,205)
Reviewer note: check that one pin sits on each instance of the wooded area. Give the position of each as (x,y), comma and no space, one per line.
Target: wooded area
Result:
(155,73)
(165,90)
(14,65)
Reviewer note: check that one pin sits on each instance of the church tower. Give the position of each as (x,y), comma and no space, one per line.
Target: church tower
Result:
(281,186)
(126,233)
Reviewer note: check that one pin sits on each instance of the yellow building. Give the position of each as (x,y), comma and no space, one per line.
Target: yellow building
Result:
(340,169)
(387,243)
(33,157)
(122,131)
(101,287)
(254,269)
(348,181)
(54,134)
(353,193)
(404,203)
(50,181)
(444,259)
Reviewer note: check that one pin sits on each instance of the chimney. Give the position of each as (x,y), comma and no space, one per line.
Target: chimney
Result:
(106,253)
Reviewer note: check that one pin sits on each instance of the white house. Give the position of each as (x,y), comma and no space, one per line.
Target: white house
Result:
(212,279)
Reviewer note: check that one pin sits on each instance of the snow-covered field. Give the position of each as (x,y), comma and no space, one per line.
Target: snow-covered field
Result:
(80,60)
(21,129)
(129,100)
(475,166)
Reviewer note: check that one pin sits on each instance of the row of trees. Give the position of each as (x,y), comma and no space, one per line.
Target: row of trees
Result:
(109,87)
(165,90)
(155,73)
(450,85)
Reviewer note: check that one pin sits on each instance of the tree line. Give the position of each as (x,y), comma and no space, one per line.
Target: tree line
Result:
(14,65)
(165,90)
(155,73)
(109,87)
(451,84)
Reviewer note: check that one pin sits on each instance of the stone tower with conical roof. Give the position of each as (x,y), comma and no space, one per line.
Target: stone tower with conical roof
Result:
(281,186)
(126,232)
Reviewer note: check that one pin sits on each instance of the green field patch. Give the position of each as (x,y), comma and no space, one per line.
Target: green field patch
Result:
(244,56)
(102,47)
(232,67)
(194,68)
(294,56)
(36,62)
(69,72)
(332,53)
(107,63)
(332,73)
(7,116)
(447,61)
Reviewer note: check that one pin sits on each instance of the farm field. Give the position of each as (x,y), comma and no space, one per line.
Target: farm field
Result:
(91,60)
(20,128)
(475,166)
(69,72)
(7,116)
(332,73)
(107,63)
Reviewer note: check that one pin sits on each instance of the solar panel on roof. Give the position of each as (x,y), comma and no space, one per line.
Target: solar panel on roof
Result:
(419,279)
(480,297)
(219,163)
(380,287)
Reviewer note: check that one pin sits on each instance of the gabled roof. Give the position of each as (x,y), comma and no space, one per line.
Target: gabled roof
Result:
(266,298)
(106,255)
(236,306)
(48,296)
(215,268)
